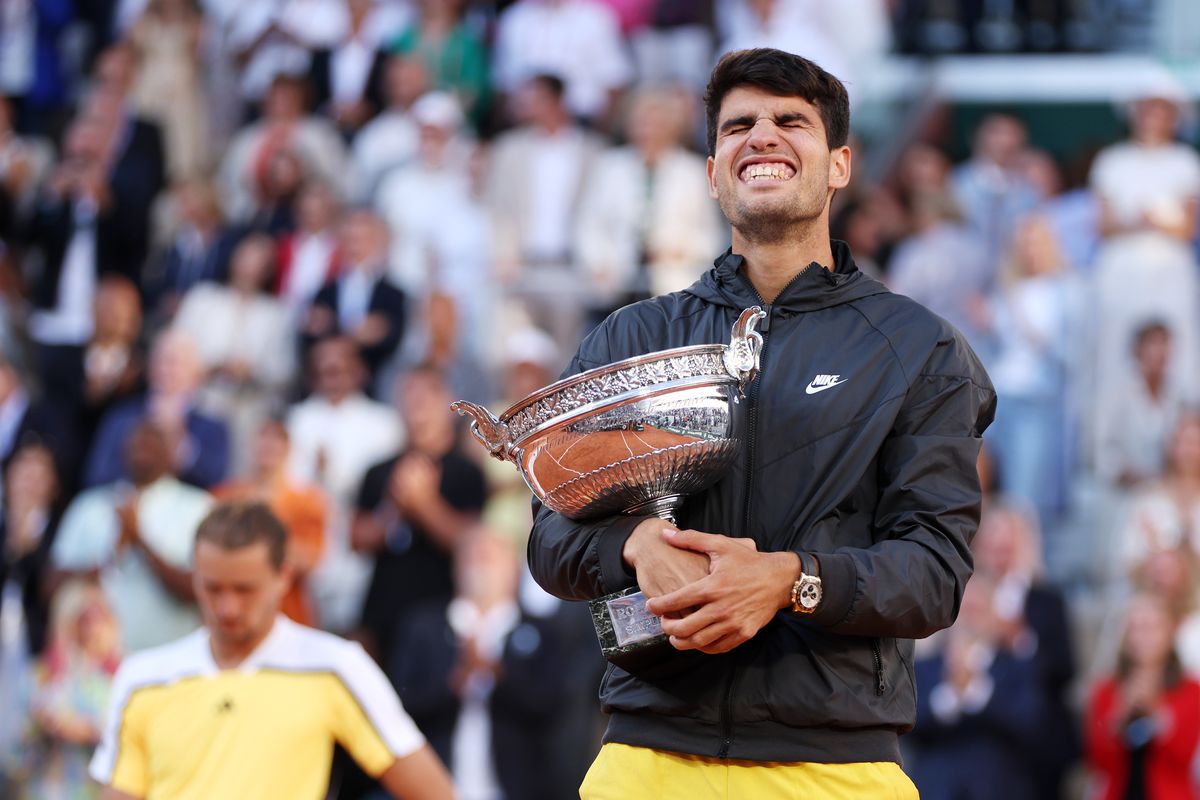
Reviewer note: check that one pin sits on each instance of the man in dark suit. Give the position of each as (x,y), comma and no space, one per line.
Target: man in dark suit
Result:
(83,229)
(88,379)
(135,153)
(199,251)
(979,707)
(360,303)
(94,217)
(1008,551)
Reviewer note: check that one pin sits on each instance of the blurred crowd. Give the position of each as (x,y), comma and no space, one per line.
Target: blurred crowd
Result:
(256,248)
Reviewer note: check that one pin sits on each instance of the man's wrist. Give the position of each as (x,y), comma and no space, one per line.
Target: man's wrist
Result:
(790,568)
(629,551)
(617,572)
(632,546)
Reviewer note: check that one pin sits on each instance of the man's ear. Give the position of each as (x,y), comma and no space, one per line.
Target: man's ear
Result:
(287,573)
(712,182)
(839,167)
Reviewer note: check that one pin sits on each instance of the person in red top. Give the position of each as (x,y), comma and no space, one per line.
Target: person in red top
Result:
(1143,723)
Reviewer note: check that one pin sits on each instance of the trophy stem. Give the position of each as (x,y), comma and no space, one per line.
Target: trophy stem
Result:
(665,507)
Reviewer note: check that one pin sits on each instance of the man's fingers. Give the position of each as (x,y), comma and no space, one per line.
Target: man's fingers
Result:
(716,638)
(724,644)
(691,540)
(694,594)
(687,626)
(707,630)
(702,638)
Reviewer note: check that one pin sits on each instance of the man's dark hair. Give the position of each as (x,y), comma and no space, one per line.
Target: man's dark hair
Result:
(782,74)
(1154,327)
(244,523)
(550,82)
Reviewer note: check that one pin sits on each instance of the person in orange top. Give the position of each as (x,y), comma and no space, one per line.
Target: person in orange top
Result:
(300,507)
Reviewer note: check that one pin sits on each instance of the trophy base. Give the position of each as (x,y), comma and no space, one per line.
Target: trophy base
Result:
(630,636)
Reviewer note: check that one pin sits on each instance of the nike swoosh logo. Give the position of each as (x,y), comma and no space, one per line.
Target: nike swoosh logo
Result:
(810,389)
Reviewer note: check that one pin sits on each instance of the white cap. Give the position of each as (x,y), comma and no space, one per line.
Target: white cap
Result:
(439,110)
(1159,83)
(532,346)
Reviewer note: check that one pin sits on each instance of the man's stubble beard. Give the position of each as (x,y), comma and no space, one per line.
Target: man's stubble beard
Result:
(776,223)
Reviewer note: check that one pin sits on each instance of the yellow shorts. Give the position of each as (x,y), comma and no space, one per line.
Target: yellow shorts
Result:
(623,772)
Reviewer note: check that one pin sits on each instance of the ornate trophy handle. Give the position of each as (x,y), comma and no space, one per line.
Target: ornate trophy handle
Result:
(489,430)
(745,346)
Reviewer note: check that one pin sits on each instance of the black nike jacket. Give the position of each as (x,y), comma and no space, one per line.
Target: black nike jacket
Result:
(860,439)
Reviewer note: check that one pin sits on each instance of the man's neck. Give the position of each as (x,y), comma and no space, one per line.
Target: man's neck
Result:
(770,266)
(368,270)
(339,398)
(553,127)
(230,655)
(434,444)
(146,481)
(267,477)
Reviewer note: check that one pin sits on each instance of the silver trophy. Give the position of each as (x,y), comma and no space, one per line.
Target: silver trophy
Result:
(634,437)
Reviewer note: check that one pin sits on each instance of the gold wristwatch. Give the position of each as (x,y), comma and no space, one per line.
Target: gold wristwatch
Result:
(806,592)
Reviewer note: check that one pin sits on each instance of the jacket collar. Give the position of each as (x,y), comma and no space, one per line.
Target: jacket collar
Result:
(813,287)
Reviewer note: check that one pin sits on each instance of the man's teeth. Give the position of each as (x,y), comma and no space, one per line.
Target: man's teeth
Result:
(771,171)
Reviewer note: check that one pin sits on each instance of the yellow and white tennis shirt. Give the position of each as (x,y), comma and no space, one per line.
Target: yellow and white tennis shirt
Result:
(181,728)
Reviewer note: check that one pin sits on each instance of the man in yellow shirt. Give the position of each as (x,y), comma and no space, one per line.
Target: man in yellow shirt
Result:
(250,705)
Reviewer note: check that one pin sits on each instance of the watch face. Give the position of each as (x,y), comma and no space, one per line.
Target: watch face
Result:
(809,594)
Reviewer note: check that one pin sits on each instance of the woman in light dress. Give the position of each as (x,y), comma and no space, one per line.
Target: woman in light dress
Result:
(168,87)
(1148,188)
(1165,515)
(1035,317)
(246,342)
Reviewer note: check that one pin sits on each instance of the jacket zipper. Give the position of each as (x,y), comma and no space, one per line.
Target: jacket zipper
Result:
(727,716)
(752,434)
(880,686)
(764,328)
(752,431)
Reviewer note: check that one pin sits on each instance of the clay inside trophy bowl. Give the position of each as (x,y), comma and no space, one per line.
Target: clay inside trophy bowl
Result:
(633,436)
(642,469)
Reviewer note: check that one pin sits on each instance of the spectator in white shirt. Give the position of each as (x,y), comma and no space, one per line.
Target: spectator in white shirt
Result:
(1134,424)
(337,434)
(579,40)
(805,27)
(1149,193)
(138,536)
(534,186)
(646,222)
(390,139)
(429,254)
(245,342)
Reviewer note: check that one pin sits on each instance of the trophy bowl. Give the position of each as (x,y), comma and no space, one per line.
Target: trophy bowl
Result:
(633,437)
